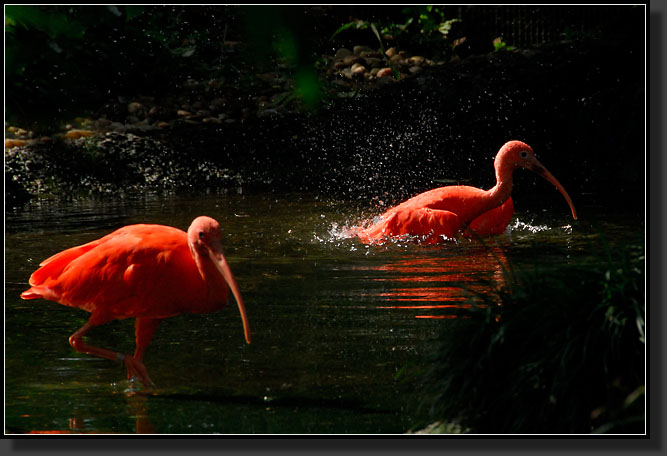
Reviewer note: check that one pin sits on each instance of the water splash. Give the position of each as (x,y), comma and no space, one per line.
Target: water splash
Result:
(338,235)
(518,225)
(344,234)
(522,227)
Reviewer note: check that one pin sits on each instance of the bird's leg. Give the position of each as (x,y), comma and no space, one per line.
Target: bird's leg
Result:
(144,330)
(76,341)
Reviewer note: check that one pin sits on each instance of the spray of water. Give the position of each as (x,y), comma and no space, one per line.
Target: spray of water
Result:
(519,226)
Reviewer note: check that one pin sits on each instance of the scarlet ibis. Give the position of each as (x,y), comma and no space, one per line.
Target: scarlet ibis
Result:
(146,272)
(445,211)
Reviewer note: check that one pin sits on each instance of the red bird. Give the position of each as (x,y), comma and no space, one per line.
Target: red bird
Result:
(147,272)
(445,211)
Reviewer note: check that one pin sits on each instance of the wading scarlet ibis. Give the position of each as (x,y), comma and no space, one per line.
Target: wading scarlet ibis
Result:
(445,211)
(147,272)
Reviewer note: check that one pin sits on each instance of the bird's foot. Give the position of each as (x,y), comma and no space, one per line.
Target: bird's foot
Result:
(137,370)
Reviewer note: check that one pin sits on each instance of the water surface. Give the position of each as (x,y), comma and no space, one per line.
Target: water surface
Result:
(333,320)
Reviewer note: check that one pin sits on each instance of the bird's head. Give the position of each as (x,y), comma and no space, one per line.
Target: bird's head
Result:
(204,240)
(517,154)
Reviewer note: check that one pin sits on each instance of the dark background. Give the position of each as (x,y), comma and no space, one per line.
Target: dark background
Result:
(572,85)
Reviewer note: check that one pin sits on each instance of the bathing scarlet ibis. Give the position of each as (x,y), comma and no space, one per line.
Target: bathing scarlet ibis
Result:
(445,211)
(147,272)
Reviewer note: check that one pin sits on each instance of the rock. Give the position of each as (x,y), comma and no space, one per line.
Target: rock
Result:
(416,60)
(370,54)
(415,69)
(359,49)
(76,134)
(384,72)
(392,51)
(338,64)
(9,143)
(211,120)
(351,60)
(374,62)
(347,72)
(342,53)
(358,69)
(398,58)
(134,107)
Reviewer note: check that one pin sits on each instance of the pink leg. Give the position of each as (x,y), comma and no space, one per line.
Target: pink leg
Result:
(134,366)
(76,341)
(144,330)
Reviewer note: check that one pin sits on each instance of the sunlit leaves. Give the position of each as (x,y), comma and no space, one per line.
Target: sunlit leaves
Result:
(54,23)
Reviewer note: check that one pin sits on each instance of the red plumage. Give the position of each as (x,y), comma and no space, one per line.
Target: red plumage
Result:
(444,212)
(147,272)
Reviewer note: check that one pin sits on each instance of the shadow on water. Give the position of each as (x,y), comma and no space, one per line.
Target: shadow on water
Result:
(334,320)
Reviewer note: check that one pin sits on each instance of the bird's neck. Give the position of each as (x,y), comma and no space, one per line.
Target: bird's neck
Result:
(501,191)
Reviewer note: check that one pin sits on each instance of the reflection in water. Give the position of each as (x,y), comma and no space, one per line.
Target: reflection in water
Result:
(452,280)
(137,403)
(137,408)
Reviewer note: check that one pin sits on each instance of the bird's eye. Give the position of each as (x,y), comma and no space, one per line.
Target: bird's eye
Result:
(201,235)
(524,154)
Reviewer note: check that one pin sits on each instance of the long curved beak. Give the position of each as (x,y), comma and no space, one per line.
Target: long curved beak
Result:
(221,264)
(542,171)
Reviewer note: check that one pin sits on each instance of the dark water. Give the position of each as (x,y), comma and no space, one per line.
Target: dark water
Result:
(333,320)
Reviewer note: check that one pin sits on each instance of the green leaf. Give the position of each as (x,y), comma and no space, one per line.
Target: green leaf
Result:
(53,24)
(358,24)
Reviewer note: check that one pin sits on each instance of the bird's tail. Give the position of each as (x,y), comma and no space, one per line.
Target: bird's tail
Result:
(31,293)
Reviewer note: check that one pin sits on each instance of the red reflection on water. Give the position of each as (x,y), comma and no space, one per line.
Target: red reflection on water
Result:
(424,294)
(137,406)
(451,279)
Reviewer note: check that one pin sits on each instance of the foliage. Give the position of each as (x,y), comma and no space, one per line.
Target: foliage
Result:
(500,45)
(555,351)
(420,26)
(291,48)
(62,59)
(431,20)
(425,22)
